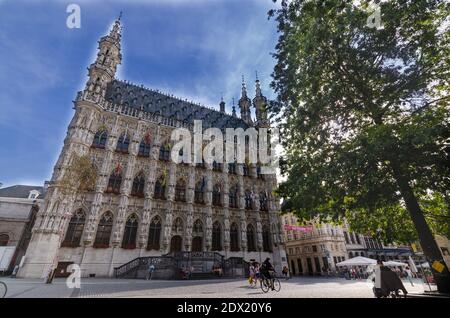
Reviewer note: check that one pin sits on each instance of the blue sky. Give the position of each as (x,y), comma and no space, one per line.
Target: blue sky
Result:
(195,49)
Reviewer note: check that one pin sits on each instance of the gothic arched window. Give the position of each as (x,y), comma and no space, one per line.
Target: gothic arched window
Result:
(138,186)
(217,166)
(199,192)
(234,238)
(233,197)
(180,191)
(160,189)
(115,180)
(129,235)
(248,200)
(104,231)
(74,230)
(154,234)
(259,174)
(100,139)
(216,196)
(123,143)
(4,239)
(266,239)
(263,204)
(246,170)
(251,246)
(232,168)
(216,237)
(144,148)
(164,153)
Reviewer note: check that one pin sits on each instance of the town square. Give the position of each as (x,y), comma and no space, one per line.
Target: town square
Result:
(251,149)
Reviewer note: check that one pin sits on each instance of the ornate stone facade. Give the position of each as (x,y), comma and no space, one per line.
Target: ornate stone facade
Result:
(124,129)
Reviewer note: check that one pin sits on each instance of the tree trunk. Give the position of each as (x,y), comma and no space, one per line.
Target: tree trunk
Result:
(426,238)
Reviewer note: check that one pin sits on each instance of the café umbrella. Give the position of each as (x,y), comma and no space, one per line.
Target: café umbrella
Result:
(358,261)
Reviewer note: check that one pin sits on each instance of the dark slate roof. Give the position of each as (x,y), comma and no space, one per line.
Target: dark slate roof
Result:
(139,97)
(21,191)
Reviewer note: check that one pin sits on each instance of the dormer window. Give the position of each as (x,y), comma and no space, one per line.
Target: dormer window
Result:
(33,194)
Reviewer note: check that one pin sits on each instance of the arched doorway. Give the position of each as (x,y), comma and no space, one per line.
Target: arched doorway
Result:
(197,243)
(175,244)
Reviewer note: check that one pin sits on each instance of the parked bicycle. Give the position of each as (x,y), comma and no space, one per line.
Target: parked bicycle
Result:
(3,289)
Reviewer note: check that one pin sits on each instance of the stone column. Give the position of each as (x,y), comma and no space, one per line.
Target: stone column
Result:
(190,192)
(208,209)
(169,207)
(226,213)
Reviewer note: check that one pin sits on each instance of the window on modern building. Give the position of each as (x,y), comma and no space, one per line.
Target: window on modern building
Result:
(154,234)
(129,236)
(216,196)
(104,231)
(233,197)
(137,189)
(114,183)
(180,191)
(164,153)
(74,230)
(100,139)
(216,237)
(123,143)
(160,189)
(251,239)
(248,200)
(234,238)
(199,192)
(267,246)
(4,239)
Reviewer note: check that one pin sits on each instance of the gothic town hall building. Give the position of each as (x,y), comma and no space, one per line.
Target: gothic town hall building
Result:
(143,205)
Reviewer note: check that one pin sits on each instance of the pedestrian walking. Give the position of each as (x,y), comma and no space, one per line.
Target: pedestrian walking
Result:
(409,275)
(285,272)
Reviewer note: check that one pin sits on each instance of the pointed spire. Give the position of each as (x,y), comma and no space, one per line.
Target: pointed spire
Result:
(258,86)
(234,109)
(116,30)
(222,105)
(244,88)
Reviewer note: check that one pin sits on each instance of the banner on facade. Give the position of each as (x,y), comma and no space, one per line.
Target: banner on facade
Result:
(308,228)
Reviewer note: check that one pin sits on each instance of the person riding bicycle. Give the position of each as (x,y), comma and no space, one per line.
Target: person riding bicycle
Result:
(267,269)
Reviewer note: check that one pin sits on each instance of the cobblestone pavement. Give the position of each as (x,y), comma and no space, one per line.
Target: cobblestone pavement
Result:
(298,287)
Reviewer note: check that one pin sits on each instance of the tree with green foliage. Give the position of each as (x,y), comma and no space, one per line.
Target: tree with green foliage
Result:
(364,115)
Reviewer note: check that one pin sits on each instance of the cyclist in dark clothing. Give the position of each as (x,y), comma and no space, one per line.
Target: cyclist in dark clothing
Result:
(267,269)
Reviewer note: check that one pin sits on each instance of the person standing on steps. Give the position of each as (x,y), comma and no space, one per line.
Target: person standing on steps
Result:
(151,269)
